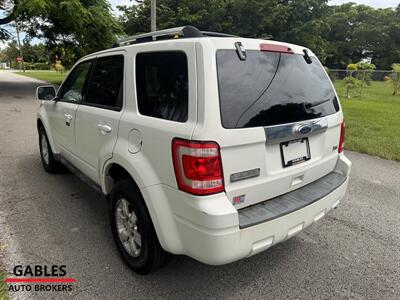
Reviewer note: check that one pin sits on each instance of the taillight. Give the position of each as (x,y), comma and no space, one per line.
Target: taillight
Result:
(342,137)
(198,167)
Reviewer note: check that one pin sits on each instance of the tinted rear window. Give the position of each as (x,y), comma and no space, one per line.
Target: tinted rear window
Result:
(162,85)
(272,88)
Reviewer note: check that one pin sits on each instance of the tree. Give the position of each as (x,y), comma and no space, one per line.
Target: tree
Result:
(208,15)
(69,28)
(58,66)
(297,21)
(350,82)
(304,24)
(10,53)
(8,8)
(367,70)
(337,34)
(360,31)
(396,77)
(365,74)
(35,53)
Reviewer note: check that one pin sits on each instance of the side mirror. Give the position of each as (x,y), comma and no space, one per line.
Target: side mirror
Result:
(46,92)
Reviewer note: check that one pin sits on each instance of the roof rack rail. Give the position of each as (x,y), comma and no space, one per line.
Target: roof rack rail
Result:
(170,33)
(216,34)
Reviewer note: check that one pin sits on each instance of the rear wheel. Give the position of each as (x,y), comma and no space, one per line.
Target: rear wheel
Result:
(133,229)
(50,164)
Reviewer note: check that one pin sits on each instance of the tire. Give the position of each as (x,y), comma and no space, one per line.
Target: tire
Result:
(137,241)
(50,164)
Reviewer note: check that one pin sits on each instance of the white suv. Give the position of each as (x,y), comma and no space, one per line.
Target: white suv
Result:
(206,145)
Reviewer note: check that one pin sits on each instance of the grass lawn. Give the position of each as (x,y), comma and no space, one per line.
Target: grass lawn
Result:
(3,287)
(372,120)
(50,76)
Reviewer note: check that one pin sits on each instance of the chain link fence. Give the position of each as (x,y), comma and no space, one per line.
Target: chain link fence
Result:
(376,75)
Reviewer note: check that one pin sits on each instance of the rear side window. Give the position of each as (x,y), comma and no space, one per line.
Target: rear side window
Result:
(162,85)
(105,87)
(72,89)
(272,88)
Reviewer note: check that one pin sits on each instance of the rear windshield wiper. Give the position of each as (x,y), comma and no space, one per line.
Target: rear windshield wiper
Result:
(310,105)
(307,57)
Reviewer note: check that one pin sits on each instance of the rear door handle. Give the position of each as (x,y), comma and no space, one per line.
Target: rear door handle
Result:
(104,128)
(68,119)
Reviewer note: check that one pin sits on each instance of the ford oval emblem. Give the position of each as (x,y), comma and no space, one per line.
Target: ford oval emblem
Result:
(303,129)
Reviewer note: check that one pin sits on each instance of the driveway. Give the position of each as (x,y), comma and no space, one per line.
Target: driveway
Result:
(45,219)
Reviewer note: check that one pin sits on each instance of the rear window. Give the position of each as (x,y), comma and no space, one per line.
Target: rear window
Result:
(272,88)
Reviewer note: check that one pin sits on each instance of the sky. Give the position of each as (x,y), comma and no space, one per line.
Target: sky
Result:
(114,3)
(373,3)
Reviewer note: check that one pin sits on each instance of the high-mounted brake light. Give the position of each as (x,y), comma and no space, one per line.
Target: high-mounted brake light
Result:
(198,167)
(342,137)
(276,48)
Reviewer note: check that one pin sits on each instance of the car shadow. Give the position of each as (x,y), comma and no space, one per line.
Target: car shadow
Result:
(70,226)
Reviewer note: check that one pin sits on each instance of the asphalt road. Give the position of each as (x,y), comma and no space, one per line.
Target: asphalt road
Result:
(354,252)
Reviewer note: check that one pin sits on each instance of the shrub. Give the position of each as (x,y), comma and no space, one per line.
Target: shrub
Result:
(34,66)
(366,74)
(396,78)
(351,83)
(28,65)
(41,66)
(352,67)
(58,66)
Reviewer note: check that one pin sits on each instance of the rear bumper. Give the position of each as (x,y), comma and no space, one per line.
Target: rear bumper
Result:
(208,228)
(290,202)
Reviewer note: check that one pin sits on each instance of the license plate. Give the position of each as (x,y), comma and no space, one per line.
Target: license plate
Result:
(295,152)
